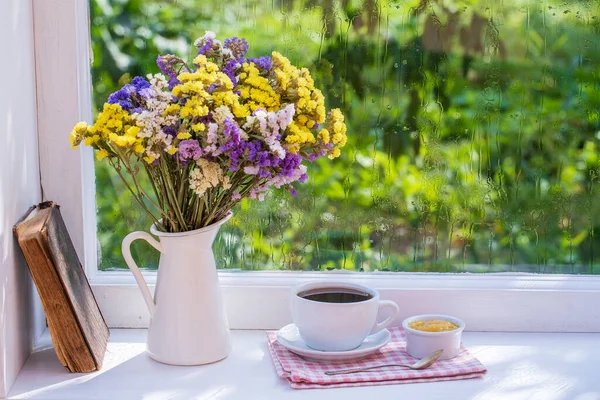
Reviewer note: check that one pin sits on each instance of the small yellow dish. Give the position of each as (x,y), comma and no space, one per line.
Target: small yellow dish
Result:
(433,325)
(431,332)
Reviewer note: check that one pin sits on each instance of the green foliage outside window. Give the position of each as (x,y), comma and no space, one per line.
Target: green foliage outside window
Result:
(473,131)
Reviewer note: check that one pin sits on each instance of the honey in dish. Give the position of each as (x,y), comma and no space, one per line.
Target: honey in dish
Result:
(433,325)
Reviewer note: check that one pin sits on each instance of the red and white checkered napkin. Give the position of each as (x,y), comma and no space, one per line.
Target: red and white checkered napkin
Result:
(306,374)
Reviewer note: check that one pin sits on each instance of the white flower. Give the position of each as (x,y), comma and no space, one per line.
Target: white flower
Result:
(225,183)
(258,192)
(211,135)
(197,182)
(221,113)
(207,35)
(151,121)
(272,124)
(251,170)
(158,81)
(279,181)
(227,54)
(207,175)
(213,140)
(211,171)
(285,116)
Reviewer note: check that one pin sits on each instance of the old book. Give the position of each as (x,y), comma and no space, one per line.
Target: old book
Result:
(78,330)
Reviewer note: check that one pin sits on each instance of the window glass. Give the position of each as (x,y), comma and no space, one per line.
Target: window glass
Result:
(473,131)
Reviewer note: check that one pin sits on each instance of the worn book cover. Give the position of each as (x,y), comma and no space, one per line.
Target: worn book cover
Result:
(78,330)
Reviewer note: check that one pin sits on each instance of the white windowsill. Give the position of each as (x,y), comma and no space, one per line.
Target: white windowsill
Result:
(548,366)
(509,302)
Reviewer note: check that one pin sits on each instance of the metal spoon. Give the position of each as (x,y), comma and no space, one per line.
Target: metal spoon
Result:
(421,364)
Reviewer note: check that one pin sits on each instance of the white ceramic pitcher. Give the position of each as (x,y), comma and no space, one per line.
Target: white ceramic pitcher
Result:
(188,325)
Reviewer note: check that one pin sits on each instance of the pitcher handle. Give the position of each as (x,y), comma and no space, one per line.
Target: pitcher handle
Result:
(139,278)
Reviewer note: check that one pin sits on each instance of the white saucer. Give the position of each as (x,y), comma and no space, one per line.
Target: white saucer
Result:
(289,337)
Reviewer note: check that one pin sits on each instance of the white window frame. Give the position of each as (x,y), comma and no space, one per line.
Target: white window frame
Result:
(259,300)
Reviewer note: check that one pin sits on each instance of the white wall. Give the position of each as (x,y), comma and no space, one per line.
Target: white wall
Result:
(21,316)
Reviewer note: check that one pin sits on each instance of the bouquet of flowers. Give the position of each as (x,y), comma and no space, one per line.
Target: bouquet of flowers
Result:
(212,133)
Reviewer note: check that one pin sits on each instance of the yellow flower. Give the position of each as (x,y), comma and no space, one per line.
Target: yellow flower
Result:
(149,159)
(202,62)
(112,125)
(183,135)
(121,141)
(132,131)
(91,140)
(256,91)
(77,134)
(299,88)
(189,89)
(101,154)
(199,127)
(324,136)
(231,100)
(225,81)
(80,127)
(299,134)
(172,109)
(172,150)
(336,122)
(193,108)
(334,153)
(139,148)
(194,86)
(75,139)
(284,70)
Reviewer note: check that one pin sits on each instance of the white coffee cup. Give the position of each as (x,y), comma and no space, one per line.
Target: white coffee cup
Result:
(338,326)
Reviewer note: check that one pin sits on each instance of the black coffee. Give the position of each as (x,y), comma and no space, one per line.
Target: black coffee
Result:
(335,295)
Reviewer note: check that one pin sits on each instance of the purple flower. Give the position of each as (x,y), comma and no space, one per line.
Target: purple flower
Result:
(263,162)
(122,97)
(170,130)
(230,68)
(238,46)
(140,83)
(146,94)
(165,66)
(206,46)
(189,150)
(206,119)
(314,155)
(173,82)
(254,147)
(263,63)
(168,66)
(289,164)
(264,173)
(266,159)
(130,96)
(231,132)
(125,105)
(122,94)
(235,155)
